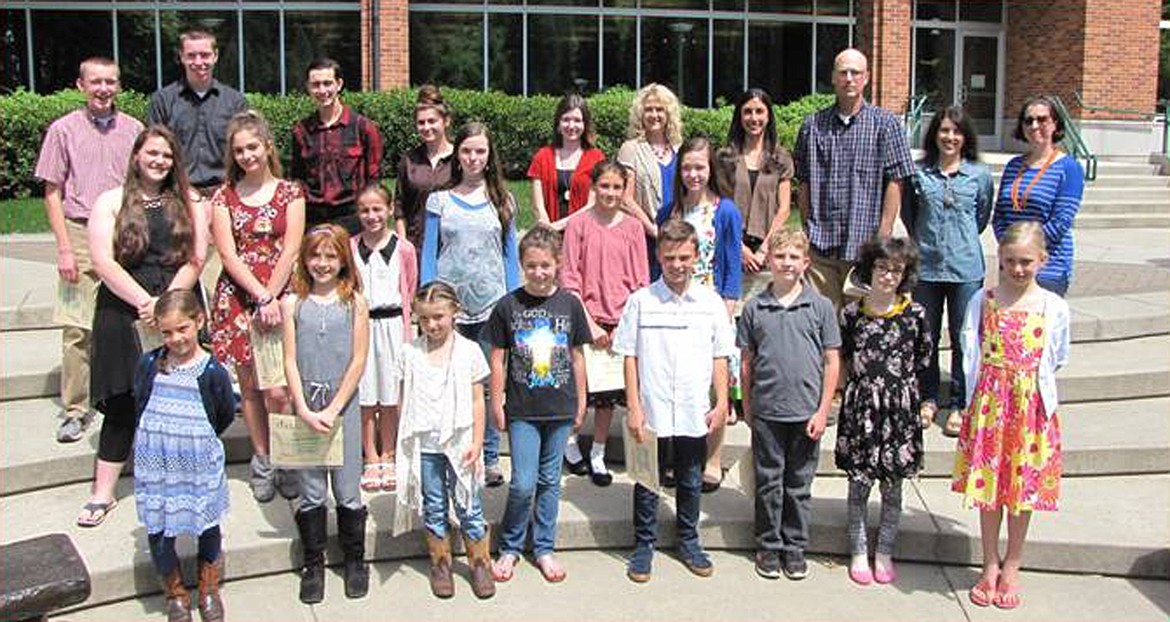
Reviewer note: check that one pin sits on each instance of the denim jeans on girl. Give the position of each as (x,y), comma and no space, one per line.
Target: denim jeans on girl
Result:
(538,447)
(438,485)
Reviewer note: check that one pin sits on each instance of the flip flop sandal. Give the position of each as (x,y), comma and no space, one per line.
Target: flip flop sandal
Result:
(389,477)
(550,574)
(504,567)
(981,594)
(97,513)
(371,477)
(1008,597)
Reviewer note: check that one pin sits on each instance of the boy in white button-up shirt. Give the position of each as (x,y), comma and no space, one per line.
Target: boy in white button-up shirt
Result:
(676,338)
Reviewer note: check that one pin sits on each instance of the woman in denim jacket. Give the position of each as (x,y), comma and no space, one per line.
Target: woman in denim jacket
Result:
(949,208)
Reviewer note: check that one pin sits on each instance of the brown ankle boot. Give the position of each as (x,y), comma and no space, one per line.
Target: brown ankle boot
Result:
(210,605)
(178,599)
(479,557)
(442,585)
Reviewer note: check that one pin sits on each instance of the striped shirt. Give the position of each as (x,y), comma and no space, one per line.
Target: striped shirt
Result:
(846,166)
(86,158)
(1053,202)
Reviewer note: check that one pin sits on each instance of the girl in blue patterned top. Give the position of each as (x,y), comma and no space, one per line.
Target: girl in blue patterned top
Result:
(183,400)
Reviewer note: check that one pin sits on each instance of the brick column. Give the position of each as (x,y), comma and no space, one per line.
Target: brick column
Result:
(393,41)
(882,33)
(1106,51)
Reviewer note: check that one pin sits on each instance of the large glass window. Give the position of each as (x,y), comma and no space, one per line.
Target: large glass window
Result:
(620,38)
(831,39)
(832,7)
(1164,65)
(12,39)
(936,9)
(506,52)
(447,49)
(310,35)
(779,58)
(55,64)
(935,66)
(222,24)
(981,10)
(136,51)
(562,53)
(262,56)
(728,61)
(802,7)
(674,53)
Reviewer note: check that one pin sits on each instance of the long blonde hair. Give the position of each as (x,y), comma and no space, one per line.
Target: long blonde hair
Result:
(669,101)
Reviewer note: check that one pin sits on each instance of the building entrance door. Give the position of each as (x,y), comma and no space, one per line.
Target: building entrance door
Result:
(978,88)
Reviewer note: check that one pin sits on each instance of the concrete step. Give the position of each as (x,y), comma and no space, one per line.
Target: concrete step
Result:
(29,292)
(1155,195)
(934,528)
(1122,221)
(1125,205)
(1112,370)
(598,577)
(30,364)
(1099,438)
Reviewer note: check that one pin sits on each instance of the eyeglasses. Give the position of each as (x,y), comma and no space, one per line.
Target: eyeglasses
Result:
(1042,120)
(891,269)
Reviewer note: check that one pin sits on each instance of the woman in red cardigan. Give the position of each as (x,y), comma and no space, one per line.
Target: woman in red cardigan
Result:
(560,172)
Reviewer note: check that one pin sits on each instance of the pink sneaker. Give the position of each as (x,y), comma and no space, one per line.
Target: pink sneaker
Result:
(861,576)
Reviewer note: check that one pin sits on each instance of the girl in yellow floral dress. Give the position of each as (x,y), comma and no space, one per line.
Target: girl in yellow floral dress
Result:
(1015,337)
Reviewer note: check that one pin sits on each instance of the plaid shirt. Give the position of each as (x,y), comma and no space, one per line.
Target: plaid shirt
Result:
(334,163)
(846,167)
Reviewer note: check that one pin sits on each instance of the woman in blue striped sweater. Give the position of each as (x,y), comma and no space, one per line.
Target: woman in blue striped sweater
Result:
(1044,185)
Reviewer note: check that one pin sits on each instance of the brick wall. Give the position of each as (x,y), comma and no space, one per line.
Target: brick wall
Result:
(883,33)
(393,44)
(1108,51)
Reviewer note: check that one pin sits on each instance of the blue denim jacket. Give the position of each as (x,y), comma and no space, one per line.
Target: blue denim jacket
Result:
(945,217)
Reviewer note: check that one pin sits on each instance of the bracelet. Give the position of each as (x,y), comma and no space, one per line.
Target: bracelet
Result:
(263,302)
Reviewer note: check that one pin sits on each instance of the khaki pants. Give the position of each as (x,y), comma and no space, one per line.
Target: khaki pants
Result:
(828,276)
(75,339)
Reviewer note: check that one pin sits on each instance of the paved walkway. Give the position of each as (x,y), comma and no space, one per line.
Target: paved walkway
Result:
(597,589)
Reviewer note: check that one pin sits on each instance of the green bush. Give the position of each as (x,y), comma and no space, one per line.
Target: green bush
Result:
(521,124)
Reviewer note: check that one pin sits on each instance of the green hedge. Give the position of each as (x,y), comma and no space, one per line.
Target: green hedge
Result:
(521,124)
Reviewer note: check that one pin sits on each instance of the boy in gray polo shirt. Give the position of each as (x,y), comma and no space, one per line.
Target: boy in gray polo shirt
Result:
(789,339)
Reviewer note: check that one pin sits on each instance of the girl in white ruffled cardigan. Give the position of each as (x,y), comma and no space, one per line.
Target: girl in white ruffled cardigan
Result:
(440,440)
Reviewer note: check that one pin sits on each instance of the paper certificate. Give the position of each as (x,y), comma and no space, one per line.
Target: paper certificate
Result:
(293,444)
(268,357)
(75,302)
(604,370)
(642,458)
(148,336)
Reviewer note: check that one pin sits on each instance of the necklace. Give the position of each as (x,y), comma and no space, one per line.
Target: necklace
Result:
(152,203)
(661,150)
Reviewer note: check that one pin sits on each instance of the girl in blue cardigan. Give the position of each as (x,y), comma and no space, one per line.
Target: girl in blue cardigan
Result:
(699,200)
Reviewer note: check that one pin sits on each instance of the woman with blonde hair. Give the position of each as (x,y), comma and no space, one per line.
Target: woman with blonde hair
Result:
(650,155)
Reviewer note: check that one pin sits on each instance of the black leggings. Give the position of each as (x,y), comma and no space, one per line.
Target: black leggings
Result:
(162,549)
(117,435)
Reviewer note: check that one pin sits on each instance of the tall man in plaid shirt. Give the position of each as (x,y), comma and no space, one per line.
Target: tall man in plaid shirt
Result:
(851,159)
(336,151)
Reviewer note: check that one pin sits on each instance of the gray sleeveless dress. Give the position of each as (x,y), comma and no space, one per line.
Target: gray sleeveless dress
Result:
(324,347)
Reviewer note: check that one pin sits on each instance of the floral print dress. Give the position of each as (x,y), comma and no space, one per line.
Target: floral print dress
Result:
(879,435)
(1009,448)
(259,235)
(702,218)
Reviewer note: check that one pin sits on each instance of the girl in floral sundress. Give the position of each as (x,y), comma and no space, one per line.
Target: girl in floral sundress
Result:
(1015,337)
(885,342)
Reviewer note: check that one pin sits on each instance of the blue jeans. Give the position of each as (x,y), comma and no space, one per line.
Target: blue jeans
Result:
(686,456)
(438,485)
(933,295)
(538,447)
(491,436)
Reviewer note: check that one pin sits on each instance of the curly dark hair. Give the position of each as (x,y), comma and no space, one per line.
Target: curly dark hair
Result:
(901,250)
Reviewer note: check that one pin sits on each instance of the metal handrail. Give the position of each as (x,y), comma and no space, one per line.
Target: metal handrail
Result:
(1075,143)
(1136,113)
(912,119)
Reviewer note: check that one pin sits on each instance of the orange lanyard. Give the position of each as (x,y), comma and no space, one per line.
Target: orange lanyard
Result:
(1018,203)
